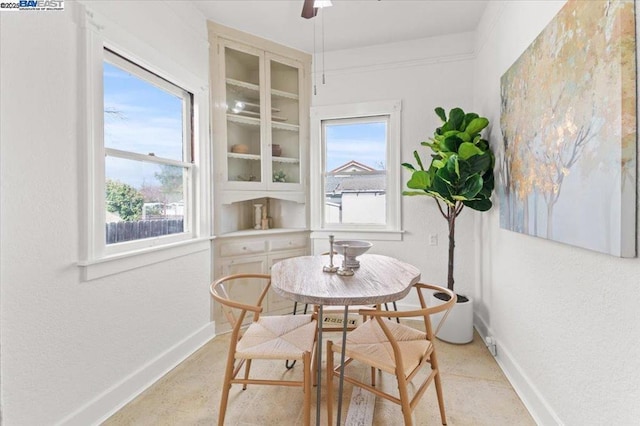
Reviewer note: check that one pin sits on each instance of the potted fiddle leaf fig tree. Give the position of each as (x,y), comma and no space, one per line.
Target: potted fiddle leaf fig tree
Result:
(460,175)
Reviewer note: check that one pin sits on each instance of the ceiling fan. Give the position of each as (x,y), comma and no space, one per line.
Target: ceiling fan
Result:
(310,7)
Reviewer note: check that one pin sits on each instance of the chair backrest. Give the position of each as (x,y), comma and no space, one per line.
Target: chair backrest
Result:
(428,311)
(425,312)
(234,310)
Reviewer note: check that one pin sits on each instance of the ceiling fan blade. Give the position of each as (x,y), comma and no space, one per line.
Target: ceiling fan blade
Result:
(308,11)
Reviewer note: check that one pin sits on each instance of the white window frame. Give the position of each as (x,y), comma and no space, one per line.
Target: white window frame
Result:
(185,164)
(96,257)
(391,110)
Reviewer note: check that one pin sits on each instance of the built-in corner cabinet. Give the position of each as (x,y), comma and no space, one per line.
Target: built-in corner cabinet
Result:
(260,96)
(261,113)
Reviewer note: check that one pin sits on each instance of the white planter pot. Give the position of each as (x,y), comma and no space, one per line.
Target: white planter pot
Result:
(458,326)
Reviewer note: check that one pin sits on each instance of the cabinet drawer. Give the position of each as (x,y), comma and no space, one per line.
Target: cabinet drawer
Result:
(288,243)
(238,249)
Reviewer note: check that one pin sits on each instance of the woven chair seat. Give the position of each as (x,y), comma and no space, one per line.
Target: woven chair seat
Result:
(278,337)
(369,344)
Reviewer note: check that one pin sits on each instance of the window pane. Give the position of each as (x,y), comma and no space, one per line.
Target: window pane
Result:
(140,117)
(355,171)
(143,199)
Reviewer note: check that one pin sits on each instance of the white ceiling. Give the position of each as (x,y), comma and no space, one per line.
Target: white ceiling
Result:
(348,23)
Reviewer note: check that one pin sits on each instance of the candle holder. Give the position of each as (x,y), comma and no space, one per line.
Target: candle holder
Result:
(344,270)
(257,216)
(331,268)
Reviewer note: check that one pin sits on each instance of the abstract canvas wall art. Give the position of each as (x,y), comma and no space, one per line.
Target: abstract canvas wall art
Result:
(566,166)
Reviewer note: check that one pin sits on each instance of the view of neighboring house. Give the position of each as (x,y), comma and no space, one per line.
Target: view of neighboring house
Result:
(355,193)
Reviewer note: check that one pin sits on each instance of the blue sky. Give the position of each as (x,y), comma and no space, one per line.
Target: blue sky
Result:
(141,118)
(362,142)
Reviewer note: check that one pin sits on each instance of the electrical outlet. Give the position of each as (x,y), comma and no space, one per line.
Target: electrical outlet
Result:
(491,345)
(433,239)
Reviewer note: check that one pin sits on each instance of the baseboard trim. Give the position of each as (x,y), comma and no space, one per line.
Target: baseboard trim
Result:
(536,404)
(106,404)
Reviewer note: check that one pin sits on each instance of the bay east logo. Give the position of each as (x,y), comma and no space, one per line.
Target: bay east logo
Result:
(41,4)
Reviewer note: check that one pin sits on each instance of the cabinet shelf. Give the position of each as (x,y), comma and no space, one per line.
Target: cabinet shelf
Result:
(243,156)
(288,160)
(260,232)
(241,119)
(255,88)
(230,197)
(256,114)
(243,84)
(252,121)
(256,157)
(285,126)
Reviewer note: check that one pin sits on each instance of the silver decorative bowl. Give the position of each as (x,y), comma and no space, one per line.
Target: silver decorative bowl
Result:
(355,249)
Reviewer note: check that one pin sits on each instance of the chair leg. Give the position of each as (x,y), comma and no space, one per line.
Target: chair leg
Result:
(433,360)
(404,400)
(306,359)
(329,382)
(226,387)
(314,366)
(295,311)
(373,376)
(438,383)
(247,367)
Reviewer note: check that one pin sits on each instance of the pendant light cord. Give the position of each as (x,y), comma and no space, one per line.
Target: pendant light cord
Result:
(315,62)
(323,47)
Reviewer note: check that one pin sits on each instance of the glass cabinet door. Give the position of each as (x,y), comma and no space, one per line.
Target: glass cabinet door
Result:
(285,88)
(244,115)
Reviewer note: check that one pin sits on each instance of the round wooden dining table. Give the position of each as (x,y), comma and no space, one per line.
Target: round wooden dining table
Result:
(379,279)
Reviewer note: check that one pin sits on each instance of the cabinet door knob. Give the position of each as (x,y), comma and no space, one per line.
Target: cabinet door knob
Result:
(244,248)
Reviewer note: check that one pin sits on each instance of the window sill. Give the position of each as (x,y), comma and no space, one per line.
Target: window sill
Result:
(115,264)
(360,234)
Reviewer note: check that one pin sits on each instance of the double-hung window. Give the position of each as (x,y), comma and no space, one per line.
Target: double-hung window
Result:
(145,153)
(355,169)
(148,154)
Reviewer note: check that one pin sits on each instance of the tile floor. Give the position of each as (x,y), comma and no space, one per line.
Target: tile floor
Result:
(476,392)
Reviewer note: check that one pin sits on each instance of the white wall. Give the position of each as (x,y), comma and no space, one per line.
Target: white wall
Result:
(71,350)
(565,319)
(423,74)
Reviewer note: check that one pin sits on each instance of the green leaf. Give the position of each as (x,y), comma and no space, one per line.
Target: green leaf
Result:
(451,144)
(489,181)
(469,117)
(434,146)
(419,180)
(456,119)
(418,160)
(440,112)
(411,193)
(479,163)
(438,164)
(464,136)
(476,125)
(467,149)
(480,205)
(448,173)
(471,187)
(442,188)
(482,144)
(408,166)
